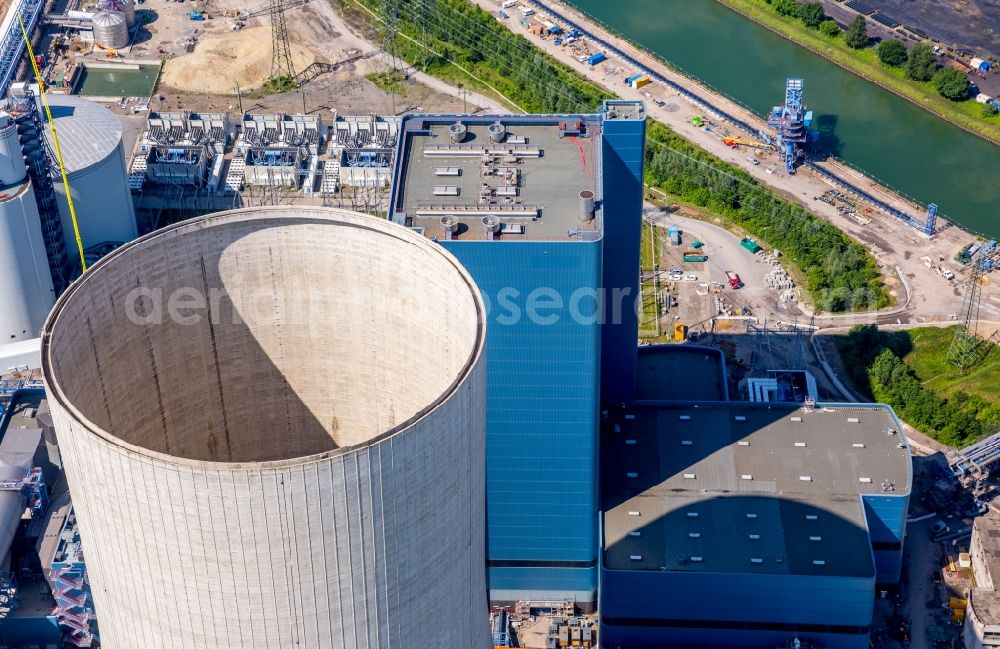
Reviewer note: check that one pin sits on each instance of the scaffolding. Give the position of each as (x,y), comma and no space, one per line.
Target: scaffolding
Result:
(39,162)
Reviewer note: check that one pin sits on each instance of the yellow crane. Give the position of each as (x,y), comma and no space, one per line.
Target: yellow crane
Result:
(734,142)
(55,140)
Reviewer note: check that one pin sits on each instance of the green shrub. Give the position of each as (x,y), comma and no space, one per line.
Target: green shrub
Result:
(812,14)
(829,28)
(787,7)
(951,84)
(891,52)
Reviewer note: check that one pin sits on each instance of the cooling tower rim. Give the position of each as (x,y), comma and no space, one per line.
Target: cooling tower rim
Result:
(265,213)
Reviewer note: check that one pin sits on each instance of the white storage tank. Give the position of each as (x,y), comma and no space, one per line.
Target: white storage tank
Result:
(91,140)
(297,463)
(110,29)
(126,7)
(27,293)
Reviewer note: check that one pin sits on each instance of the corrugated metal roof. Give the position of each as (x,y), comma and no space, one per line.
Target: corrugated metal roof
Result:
(88,132)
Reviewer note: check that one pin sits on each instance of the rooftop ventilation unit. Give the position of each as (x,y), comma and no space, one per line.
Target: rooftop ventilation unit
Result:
(458,131)
(491,225)
(449,224)
(498,132)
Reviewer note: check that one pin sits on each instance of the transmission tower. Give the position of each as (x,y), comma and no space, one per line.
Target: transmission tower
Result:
(281,51)
(390,30)
(965,346)
(281,59)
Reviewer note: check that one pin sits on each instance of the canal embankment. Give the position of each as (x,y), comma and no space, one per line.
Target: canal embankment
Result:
(865,64)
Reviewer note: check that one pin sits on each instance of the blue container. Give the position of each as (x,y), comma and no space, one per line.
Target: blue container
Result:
(597,58)
(629,80)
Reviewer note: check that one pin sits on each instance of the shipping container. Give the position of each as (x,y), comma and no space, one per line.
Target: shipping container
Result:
(594,59)
(695,258)
(640,82)
(750,245)
(629,80)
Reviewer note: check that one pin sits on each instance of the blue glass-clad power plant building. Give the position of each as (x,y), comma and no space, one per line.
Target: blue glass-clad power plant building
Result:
(545,212)
(706,522)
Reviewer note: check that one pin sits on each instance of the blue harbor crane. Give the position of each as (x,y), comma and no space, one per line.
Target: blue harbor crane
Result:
(791,123)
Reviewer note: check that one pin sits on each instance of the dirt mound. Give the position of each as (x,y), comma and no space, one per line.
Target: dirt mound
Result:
(219,62)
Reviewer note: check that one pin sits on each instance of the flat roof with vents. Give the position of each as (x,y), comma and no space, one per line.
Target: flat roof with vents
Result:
(750,498)
(531,179)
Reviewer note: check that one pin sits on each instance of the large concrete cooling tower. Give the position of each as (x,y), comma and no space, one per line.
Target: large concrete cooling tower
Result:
(272,422)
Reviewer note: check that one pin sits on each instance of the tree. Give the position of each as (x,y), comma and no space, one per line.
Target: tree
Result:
(856,36)
(951,84)
(891,52)
(787,7)
(812,14)
(829,28)
(921,63)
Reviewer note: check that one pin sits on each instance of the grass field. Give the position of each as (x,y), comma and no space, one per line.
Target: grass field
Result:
(929,359)
(967,114)
(910,371)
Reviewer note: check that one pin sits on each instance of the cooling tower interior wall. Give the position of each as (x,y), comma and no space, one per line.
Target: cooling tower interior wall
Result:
(302,467)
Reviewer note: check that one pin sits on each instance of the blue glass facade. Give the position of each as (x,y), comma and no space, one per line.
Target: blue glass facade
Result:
(622,176)
(551,335)
(541,413)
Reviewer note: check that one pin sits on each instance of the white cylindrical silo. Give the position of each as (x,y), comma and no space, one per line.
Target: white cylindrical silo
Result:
(90,137)
(27,282)
(272,423)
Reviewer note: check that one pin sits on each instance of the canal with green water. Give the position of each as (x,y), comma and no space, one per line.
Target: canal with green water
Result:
(889,138)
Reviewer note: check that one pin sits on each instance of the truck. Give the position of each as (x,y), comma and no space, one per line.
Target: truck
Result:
(946,273)
(734,280)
